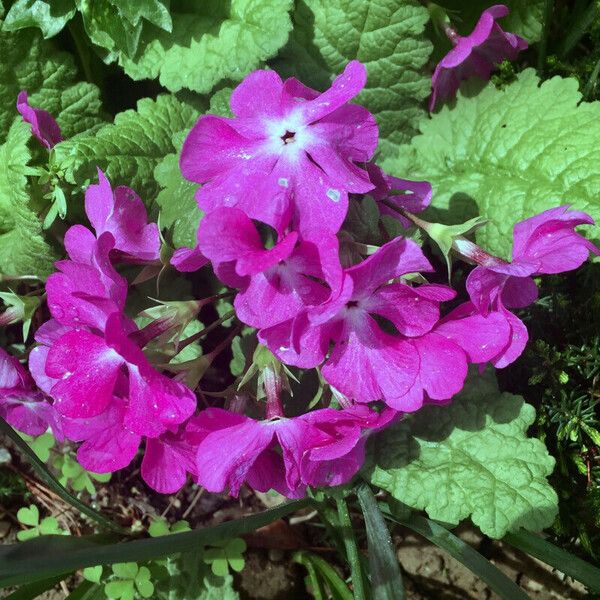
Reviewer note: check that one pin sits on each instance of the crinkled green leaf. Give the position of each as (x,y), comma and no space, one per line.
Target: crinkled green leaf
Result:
(387,35)
(509,154)
(179,211)
(129,149)
(48,15)
(470,458)
(211,41)
(525,17)
(50,77)
(154,11)
(17,221)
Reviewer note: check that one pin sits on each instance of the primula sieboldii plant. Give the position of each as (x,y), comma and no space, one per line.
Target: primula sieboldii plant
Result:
(280,182)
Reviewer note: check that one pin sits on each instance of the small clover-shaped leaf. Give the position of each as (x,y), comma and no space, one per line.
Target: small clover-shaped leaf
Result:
(143,584)
(41,446)
(158,528)
(126,570)
(28,534)
(29,515)
(93,574)
(50,526)
(123,589)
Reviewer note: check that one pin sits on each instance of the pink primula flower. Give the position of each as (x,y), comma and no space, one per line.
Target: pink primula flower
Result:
(413,196)
(290,276)
(121,213)
(43,125)
(289,152)
(90,369)
(324,447)
(475,55)
(544,244)
(21,404)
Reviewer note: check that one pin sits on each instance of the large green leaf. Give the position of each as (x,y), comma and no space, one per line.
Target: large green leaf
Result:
(50,77)
(129,149)
(49,16)
(18,222)
(387,35)
(211,41)
(51,555)
(471,458)
(509,154)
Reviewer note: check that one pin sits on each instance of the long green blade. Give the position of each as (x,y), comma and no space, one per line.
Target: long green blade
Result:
(48,556)
(316,565)
(560,559)
(386,579)
(461,551)
(49,479)
(33,590)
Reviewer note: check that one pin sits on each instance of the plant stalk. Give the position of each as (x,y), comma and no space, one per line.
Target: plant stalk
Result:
(358,584)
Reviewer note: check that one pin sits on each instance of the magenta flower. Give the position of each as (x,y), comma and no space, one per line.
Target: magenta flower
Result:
(289,152)
(87,289)
(474,55)
(413,196)
(90,370)
(21,404)
(368,363)
(290,276)
(43,125)
(324,447)
(544,244)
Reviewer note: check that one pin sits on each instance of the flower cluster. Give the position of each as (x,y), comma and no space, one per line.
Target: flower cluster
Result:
(277,183)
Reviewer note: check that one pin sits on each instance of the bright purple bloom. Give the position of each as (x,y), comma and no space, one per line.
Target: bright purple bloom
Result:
(544,244)
(289,152)
(413,196)
(368,363)
(87,289)
(91,369)
(324,447)
(122,213)
(286,278)
(43,125)
(21,404)
(475,55)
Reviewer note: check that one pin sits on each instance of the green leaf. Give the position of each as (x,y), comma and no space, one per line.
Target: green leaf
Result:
(558,558)
(461,551)
(179,210)
(320,570)
(93,574)
(211,41)
(154,11)
(34,590)
(54,555)
(29,515)
(49,16)
(41,445)
(525,18)
(386,579)
(387,35)
(50,78)
(18,222)
(470,458)
(28,534)
(509,154)
(50,526)
(129,149)
(120,589)
(126,570)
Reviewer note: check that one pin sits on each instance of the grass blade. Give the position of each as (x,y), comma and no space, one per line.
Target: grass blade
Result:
(44,474)
(48,556)
(33,590)
(560,559)
(386,579)
(358,582)
(461,551)
(316,565)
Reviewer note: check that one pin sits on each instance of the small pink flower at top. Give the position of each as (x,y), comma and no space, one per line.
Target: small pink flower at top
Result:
(21,404)
(43,125)
(544,244)
(121,213)
(474,55)
(290,152)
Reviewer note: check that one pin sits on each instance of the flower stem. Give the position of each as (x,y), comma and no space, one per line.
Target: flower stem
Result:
(358,584)
(543,45)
